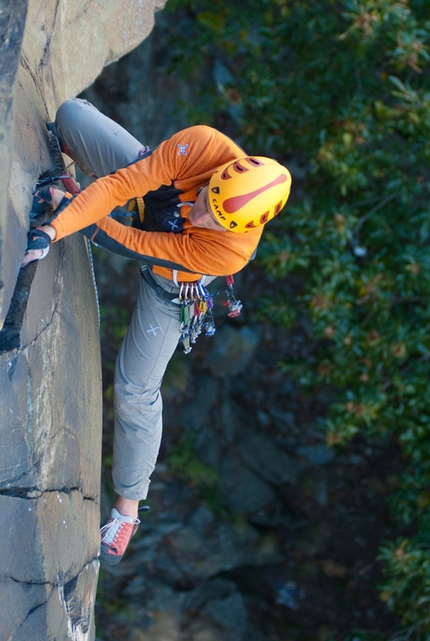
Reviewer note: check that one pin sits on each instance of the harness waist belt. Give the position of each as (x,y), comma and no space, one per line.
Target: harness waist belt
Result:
(170,296)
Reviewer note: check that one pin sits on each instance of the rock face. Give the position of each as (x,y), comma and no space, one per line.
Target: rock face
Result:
(49,344)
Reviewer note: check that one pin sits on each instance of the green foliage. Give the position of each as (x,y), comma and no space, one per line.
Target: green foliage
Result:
(407,568)
(115,321)
(342,89)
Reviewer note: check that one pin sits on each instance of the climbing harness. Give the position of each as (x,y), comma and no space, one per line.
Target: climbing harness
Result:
(196,315)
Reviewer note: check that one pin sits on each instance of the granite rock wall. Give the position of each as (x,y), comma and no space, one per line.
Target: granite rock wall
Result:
(50,377)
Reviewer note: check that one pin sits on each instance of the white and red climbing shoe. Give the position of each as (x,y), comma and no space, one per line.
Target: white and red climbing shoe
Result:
(115,537)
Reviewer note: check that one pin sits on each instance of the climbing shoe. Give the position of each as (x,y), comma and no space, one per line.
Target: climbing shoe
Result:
(51,127)
(115,537)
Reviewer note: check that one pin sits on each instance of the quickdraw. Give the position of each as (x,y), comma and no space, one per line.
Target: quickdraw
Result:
(234,306)
(196,311)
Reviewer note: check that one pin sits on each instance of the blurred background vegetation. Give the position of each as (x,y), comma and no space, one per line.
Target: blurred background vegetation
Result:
(339,91)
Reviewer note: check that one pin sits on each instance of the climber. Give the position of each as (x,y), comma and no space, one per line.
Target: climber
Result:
(199,205)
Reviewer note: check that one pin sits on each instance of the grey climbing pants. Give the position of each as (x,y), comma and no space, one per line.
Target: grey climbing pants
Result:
(100,146)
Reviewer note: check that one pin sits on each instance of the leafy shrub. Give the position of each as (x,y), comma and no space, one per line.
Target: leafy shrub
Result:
(341,92)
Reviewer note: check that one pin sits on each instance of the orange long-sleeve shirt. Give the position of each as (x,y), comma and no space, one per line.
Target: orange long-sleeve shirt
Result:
(175,171)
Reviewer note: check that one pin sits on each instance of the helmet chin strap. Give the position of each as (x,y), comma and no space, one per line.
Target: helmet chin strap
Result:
(200,188)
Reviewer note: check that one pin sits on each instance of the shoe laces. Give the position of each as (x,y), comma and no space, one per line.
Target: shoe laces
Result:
(112,529)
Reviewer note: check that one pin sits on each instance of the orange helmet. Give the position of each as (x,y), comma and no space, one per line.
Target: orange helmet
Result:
(248,192)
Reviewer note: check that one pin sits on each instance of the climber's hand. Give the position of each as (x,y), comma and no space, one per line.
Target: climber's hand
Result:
(39,241)
(31,256)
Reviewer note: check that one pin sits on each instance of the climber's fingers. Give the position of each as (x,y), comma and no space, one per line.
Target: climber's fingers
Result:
(31,256)
(38,244)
